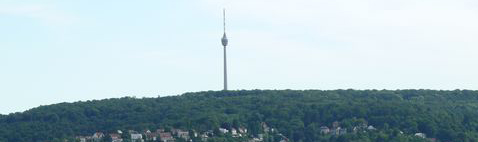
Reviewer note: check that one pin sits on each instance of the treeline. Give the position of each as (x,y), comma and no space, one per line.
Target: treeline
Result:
(298,115)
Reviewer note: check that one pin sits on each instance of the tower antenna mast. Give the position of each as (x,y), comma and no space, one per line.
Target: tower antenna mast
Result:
(224,42)
(224,19)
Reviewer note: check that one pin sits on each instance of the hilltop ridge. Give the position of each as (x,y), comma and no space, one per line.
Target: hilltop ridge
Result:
(298,115)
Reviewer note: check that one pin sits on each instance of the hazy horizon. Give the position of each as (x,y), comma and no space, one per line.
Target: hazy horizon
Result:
(68,51)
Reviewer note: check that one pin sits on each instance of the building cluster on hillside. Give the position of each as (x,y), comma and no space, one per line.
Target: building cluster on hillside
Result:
(268,131)
(336,130)
(174,134)
(147,135)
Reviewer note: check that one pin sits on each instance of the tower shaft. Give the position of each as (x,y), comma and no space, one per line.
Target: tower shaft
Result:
(225,69)
(224,42)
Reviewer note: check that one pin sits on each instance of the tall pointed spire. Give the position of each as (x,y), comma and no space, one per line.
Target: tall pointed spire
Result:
(224,43)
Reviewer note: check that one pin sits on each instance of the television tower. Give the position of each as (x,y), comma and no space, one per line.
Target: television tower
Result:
(224,43)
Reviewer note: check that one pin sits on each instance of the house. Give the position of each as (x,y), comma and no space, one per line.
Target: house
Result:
(183,134)
(174,131)
(98,135)
(137,138)
(195,134)
(116,137)
(204,137)
(209,133)
(324,130)
(234,132)
(242,130)
(222,130)
(421,135)
(166,137)
(151,136)
(371,128)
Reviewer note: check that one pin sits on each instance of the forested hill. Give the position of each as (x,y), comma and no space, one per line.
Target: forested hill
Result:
(297,115)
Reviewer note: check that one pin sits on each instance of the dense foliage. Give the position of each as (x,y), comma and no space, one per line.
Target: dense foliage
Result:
(298,115)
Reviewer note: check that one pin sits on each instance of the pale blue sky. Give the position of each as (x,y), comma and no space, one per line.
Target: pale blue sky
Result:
(56,51)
